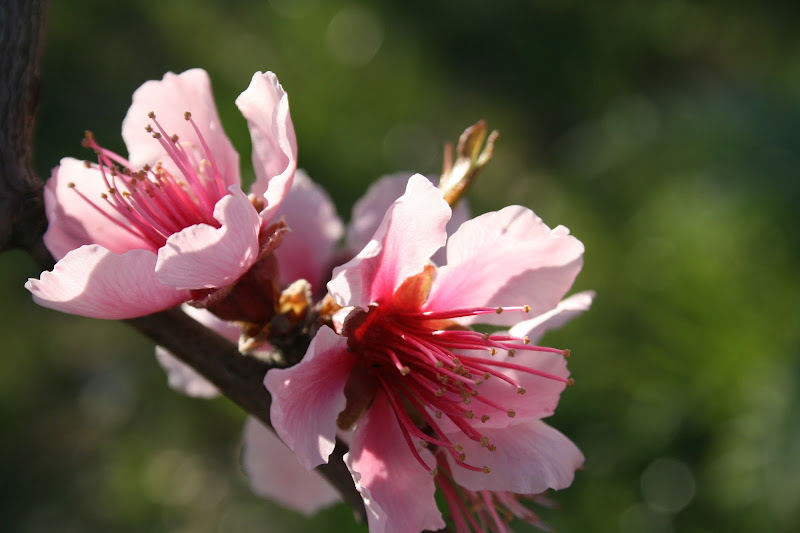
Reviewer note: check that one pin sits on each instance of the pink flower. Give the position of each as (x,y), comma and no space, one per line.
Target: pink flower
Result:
(410,374)
(173,219)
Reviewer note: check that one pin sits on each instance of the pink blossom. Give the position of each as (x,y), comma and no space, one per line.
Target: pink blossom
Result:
(138,235)
(407,371)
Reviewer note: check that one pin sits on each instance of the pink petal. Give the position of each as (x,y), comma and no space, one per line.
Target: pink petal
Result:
(306,252)
(93,282)
(541,394)
(265,105)
(169,98)
(275,474)
(202,256)
(565,311)
(307,398)
(371,208)
(73,222)
(410,232)
(183,378)
(508,257)
(398,492)
(530,457)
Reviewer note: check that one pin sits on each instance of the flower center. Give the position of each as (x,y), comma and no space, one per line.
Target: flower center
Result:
(411,355)
(154,202)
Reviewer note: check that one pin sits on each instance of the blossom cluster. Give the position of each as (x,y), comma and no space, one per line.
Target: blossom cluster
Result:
(421,325)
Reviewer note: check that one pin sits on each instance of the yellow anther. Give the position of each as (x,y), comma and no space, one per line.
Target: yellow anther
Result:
(526,339)
(71,185)
(570,382)
(493,351)
(458,448)
(469,414)
(565,353)
(526,308)
(405,371)
(484,441)
(491,447)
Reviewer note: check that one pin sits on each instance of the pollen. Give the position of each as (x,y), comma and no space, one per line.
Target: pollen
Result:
(526,308)
(511,413)
(486,469)
(484,441)
(485,418)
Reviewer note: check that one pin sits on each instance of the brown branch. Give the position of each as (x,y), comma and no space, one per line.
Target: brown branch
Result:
(21,30)
(23,223)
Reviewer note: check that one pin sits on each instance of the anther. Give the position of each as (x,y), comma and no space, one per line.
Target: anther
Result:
(435,472)
(405,371)
(485,418)
(458,448)
(526,339)
(491,447)
(174,138)
(526,308)
(71,185)
(478,381)
(103,195)
(423,443)
(439,363)
(486,469)
(512,352)
(521,390)
(486,375)
(512,413)
(469,414)
(484,441)
(493,351)
(570,382)
(462,457)
(187,115)
(156,135)
(151,114)
(565,353)
(498,310)
(485,336)
(438,414)
(148,128)
(87,164)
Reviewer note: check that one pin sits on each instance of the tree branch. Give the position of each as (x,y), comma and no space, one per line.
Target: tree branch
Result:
(23,223)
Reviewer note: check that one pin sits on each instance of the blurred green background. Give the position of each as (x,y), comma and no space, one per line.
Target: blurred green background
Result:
(664,134)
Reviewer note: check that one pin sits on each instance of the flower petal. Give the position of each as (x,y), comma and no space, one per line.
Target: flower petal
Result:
(565,311)
(398,493)
(91,281)
(169,99)
(307,398)
(73,222)
(265,105)
(530,457)
(541,393)
(202,256)
(370,209)
(410,232)
(508,257)
(183,378)
(275,474)
(306,252)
